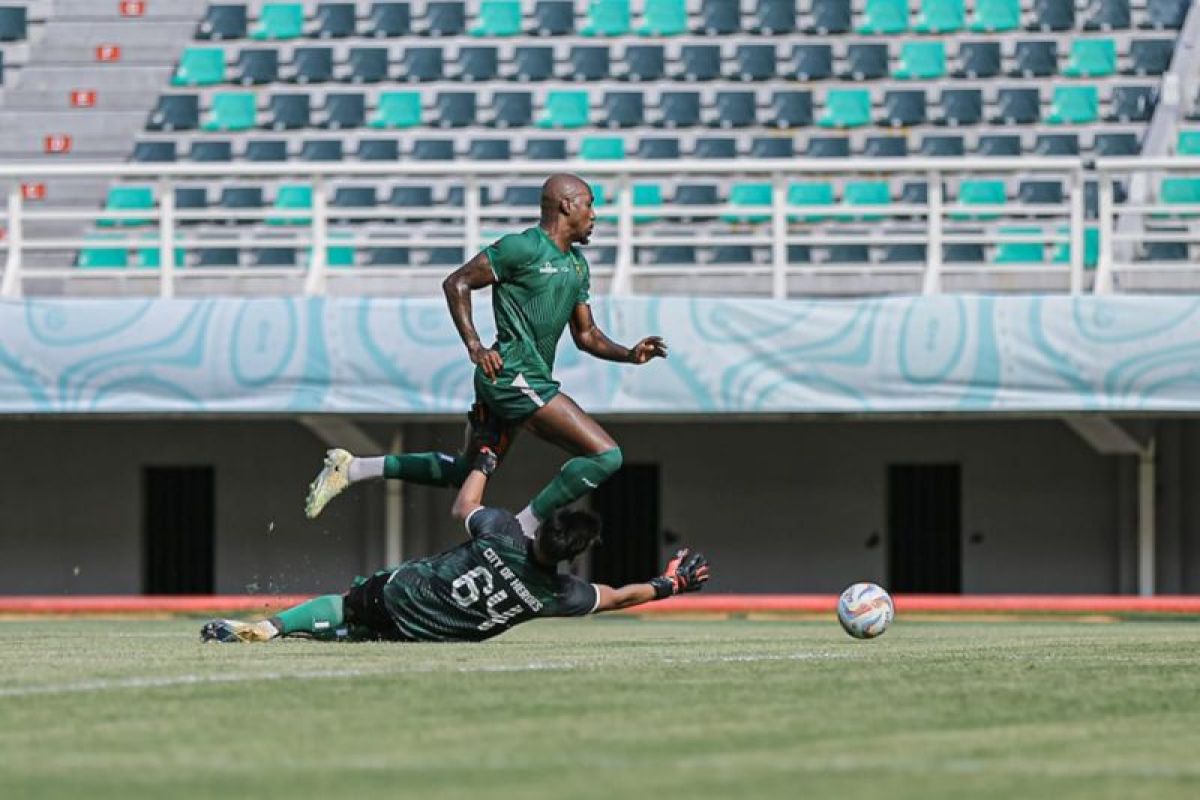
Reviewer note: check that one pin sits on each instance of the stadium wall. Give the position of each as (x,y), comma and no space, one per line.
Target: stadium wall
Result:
(780,506)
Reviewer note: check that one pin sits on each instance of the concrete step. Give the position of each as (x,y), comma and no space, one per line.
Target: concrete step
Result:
(43,101)
(130,78)
(142,43)
(77,122)
(153,10)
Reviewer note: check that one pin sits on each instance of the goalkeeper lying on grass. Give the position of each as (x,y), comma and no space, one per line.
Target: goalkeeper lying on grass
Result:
(477,590)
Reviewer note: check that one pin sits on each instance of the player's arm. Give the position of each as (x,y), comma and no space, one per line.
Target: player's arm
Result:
(590,339)
(686,572)
(475,274)
(470,494)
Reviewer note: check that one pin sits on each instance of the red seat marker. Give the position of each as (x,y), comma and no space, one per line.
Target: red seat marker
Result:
(57,143)
(131,8)
(33,191)
(83,98)
(108,52)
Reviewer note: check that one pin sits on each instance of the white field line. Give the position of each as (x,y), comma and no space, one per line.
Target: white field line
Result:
(168,681)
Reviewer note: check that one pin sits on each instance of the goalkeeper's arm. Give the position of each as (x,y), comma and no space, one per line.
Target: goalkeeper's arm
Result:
(686,572)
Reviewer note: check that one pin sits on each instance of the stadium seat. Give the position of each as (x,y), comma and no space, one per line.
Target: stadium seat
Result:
(624,109)
(521,196)
(546,150)
(1165,251)
(749,194)
(679,109)
(489,150)
(154,152)
(658,147)
(921,61)
(389,20)
(1091,58)
(209,150)
(387,257)
(885,147)
(1073,105)
(754,62)
(533,64)
(180,112)
(444,256)
(1053,15)
(772,147)
(799,254)
(939,16)
(1166,14)
(1056,144)
(564,109)
(292,197)
(903,108)
(266,150)
(321,150)
(1150,56)
(847,254)
(1091,248)
(128,198)
(277,21)
(1116,144)
(217,257)
(445,19)
(883,17)
(433,150)
(866,193)
(588,64)
(200,66)
(1188,143)
(256,67)
(904,254)
(732,254)
(368,65)
(667,255)
(996,16)
(696,194)
(961,107)
(978,60)
(312,65)
(1036,59)
(512,109)
(1040,192)
(1109,15)
(828,147)
(810,62)
(455,109)
(866,62)
(554,18)
(1172,190)
(98,256)
(602,148)
(231,111)
(378,150)
(734,110)
(715,147)
(334,21)
(397,110)
(411,197)
(1019,252)
(13,23)
(288,112)
(644,62)
(607,18)
(664,18)
(222,22)
(720,17)
(151,257)
(962,253)
(999,145)
(828,16)
(498,18)
(700,62)
(913,193)
(979,192)
(1133,103)
(942,146)
(791,109)
(846,108)
(273,256)
(344,110)
(478,64)
(421,64)
(1018,106)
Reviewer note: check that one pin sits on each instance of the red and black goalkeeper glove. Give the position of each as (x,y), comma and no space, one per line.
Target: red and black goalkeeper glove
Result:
(486,461)
(686,572)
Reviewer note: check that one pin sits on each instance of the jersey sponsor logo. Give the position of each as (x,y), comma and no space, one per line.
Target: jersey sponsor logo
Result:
(550,269)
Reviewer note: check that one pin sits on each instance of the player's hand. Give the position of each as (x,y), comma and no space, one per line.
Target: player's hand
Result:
(646,349)
(486,461)
(686,572)
(487,359)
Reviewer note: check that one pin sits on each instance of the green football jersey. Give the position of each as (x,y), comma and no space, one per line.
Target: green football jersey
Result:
(538,288)
(482,587)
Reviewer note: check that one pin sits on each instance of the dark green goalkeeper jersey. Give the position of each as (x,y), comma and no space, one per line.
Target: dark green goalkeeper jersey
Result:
(482,587)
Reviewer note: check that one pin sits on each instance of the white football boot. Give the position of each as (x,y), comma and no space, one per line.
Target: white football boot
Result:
(333,478)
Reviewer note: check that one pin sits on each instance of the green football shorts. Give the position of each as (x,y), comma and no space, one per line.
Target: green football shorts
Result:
(514,396)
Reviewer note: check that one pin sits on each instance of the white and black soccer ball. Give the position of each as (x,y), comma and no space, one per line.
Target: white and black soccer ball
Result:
(865,610)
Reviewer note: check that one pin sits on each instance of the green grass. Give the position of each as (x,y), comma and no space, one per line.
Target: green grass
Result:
(605,708)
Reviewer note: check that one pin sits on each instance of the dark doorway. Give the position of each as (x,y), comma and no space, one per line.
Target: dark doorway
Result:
(178,506)
(628,503)
(925,528)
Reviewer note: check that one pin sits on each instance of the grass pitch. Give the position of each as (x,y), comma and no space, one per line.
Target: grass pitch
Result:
(605,708)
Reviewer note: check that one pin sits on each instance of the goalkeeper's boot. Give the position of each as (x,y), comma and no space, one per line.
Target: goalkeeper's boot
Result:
(334,477)
(229,630)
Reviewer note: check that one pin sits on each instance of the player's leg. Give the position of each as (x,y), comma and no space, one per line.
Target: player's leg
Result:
(322,618)
(562,422)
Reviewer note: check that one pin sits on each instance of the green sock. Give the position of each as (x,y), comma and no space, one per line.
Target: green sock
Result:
(427,469)
(576,478)
(321,617)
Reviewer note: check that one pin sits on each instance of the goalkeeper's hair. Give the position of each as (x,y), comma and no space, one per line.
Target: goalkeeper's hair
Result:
(568,533)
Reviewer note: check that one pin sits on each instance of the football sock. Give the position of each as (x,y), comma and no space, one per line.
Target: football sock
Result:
(528,521)
(364,469)
(427,469)
(576,478)
(321,617)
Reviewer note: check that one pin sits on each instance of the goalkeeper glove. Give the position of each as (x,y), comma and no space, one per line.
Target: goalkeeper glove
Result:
(686,572)
(486,461)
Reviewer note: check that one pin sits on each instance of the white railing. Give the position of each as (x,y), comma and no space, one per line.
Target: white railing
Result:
(41,237)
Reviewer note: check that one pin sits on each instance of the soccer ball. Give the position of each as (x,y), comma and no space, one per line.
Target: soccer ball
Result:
(865,610)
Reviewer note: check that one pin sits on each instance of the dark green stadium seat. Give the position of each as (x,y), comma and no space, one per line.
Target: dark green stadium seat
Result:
(13,23)
(454,109)
(734,110)
(209,150)
(266,150)
(978,60)
(865,62)
(942,146)
(344,111)
(378,150)
(321,150)
(715,147)
(389,20)
(1056,144)
(1150,56)
(810,62)
(368,64)
(273,257)
(334,21)
(679,109)
(1166,14)
(533,64)
(254,67)
(222,22)
(217,257)
(829,16)
(490,150)
(177,112)
(1036,59)
(312,65)
(885,147)
(388,257)
(1116,144)
(433,150)
(546,150)
(754,62)
(658,147)
(720,17)
(828,147)
(623,109)
(1040,192)
(288,112)
(445,18)
(961,107)
(999,145)
(512,109)
(700,62)
(1018,106)
(588,63)
(904,254)
(478,64)
(1107,15)
(1053,15)
(644,62)
(154,152)
(790,109)
(903,108)
(1133,103)
(772,147)
(554,18)
(421,64)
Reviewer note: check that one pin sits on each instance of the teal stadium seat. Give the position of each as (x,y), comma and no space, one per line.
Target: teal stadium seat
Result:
(128,198)
(397,110)
(866,193)
(231,111)
(1189,143)
(602,148)
(846,108)
(749,194)
(564,109)
(939,16)
(200,66)
(115,256)
(921,61)
(292,197)
(979,192)
(809,194)
(1091,248)
(1019,252)
(996,16)
(1091,58)
(664,18)
(498,18)
(1180,191)
(279,21)
(884,17)
(1074,105)
(607,18)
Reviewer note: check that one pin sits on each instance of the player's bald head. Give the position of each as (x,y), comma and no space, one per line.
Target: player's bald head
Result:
(567,207)
(560,187)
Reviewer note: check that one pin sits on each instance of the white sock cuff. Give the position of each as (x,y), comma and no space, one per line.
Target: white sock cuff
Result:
(363,469)
(528,521)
